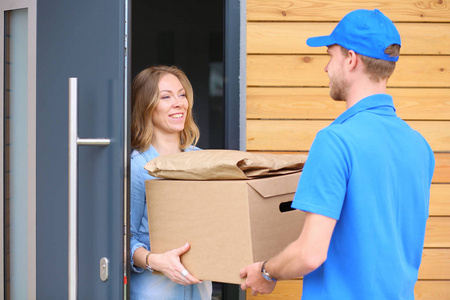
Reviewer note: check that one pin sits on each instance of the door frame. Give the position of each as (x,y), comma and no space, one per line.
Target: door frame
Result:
(30,5)
(234,64)
(234,92)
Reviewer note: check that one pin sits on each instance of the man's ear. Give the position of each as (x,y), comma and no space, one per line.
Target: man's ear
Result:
(352,60)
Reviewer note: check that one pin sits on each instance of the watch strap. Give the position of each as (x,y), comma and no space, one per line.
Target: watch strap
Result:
(266,274)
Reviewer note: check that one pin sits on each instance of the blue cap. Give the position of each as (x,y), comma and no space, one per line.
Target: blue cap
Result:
(367,32)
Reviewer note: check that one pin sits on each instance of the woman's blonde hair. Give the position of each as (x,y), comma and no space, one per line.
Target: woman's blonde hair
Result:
(144,99)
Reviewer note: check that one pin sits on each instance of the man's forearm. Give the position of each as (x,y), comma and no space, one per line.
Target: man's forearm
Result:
(305,254)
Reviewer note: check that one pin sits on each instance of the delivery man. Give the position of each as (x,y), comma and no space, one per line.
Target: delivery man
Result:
(366,183)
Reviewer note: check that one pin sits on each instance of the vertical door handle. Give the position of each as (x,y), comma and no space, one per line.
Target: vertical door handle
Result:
(74,141)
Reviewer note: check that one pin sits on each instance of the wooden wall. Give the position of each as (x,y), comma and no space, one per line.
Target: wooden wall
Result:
(288,101)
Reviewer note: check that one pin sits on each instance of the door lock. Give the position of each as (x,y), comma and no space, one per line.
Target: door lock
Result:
(104,268)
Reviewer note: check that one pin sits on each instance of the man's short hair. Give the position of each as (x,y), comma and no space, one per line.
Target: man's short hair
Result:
(378,69)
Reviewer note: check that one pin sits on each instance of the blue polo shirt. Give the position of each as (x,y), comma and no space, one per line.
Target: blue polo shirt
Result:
(371,172)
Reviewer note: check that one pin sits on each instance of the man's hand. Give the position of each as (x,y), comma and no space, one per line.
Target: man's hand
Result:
(255,281)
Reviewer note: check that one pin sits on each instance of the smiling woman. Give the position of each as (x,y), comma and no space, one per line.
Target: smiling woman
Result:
(162,123)
(150,87)
(169,114)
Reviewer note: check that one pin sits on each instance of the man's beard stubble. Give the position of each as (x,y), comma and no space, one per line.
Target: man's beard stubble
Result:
(337,89)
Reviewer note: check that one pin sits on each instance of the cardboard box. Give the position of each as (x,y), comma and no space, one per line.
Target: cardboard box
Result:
(229,223)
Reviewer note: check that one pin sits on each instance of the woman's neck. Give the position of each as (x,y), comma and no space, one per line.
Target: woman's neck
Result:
(166,144)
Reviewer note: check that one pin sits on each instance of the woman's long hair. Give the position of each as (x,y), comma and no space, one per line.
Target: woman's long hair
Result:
(144,99)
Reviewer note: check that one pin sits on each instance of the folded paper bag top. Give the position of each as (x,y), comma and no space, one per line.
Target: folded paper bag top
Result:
(223,164)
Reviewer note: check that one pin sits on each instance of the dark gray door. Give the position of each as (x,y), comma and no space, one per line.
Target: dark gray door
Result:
(84,39)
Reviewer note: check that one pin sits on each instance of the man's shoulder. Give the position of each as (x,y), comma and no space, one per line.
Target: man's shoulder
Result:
(335,130)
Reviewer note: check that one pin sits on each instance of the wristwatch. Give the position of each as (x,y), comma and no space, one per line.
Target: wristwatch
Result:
(266,274)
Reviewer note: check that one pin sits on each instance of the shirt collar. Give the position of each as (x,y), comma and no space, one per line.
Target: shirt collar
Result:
(379,103)
(150,153)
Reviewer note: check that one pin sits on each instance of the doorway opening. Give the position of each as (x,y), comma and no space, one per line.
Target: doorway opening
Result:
(190,35)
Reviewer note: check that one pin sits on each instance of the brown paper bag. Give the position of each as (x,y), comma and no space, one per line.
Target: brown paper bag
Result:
(223,164)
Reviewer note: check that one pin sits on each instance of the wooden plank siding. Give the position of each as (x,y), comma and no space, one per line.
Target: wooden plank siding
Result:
(294,135)
(290,290)
(289,38)
(329,10)
(315,103)
(440,200)
(308,70)
(287,100)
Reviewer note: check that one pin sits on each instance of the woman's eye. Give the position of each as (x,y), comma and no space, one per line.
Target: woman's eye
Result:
(182,95)
(164,97)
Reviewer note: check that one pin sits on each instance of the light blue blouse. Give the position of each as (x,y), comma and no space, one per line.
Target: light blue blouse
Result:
(145,285)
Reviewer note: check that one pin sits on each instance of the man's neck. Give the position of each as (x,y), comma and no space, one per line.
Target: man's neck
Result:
(363,89)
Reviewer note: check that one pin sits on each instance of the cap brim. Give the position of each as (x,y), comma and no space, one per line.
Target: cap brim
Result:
(320,41)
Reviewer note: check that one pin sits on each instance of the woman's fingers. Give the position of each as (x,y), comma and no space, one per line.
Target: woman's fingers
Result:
(173,268)
(190,279)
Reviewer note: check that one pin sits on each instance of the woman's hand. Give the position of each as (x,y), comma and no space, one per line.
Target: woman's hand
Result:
(170,265)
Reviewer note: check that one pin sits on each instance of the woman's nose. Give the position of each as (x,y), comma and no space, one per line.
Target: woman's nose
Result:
(177,101)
